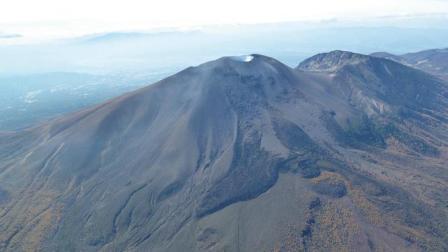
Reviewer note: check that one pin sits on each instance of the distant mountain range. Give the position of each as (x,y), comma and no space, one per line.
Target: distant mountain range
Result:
(346,152)
(145,51)
(433,61)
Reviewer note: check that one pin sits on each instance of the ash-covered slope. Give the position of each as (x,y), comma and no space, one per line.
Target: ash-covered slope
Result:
(239,154)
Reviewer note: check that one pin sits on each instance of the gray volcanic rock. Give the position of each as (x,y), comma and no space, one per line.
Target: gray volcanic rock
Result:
(332,61)
(239,154)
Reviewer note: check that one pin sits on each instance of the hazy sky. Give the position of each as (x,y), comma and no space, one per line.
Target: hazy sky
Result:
(61,18)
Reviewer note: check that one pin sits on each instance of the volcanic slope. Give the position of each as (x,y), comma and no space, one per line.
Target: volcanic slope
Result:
(346,152)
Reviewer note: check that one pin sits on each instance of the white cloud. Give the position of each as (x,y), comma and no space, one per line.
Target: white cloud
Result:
(9,35)
(50,18)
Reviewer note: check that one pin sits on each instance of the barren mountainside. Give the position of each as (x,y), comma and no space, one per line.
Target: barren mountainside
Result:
(347,152)
(434,61)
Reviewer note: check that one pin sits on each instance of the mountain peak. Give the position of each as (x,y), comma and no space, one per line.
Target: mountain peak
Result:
(249,59)
(331,61)
(244,65)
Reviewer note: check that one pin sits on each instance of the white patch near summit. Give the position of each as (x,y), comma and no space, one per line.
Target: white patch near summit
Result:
(244,58)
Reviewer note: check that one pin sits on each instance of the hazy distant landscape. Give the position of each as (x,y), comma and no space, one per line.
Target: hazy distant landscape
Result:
(136,52)
(41,80)
(29,99)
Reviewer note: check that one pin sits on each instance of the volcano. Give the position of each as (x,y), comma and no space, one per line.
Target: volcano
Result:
(346,152)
